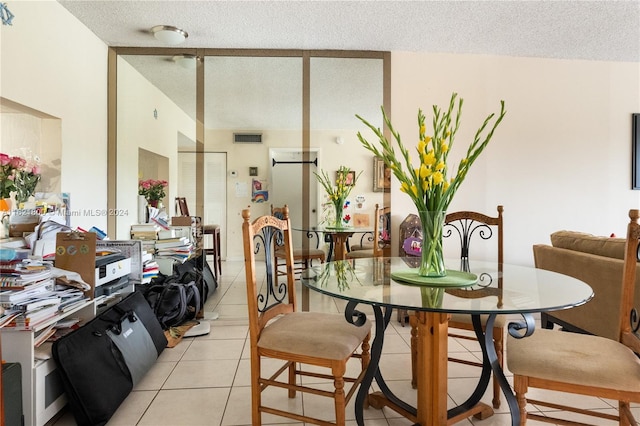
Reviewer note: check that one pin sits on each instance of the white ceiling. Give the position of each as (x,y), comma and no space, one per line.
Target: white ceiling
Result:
(589,30)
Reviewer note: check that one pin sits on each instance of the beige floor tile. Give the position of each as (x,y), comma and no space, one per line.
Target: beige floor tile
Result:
(175,353)
(132,408)
(194,407)
(156,376)
(202,374)
(214,349)
(238,410)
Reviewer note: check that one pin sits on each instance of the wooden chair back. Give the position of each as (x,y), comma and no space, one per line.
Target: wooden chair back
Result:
(468,224)
(630,314)
(266,297)
(181,206)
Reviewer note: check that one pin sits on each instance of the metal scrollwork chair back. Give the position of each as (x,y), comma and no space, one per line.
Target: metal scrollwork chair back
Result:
(605,368)
(298,339)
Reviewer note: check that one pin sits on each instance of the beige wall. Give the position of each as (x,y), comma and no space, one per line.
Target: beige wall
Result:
(561,159)
(62,73)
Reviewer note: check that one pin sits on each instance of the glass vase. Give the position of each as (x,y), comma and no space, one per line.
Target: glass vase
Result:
(431,257)
(339,207)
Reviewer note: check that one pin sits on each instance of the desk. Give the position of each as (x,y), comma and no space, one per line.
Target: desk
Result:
(509,289)
(338,238)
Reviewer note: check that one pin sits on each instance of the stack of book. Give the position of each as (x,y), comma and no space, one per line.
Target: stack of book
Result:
(150,268)
(29,295)
(178,249)
(145,231)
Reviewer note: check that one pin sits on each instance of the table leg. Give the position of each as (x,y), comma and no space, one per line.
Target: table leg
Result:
(340,246)
(431,371)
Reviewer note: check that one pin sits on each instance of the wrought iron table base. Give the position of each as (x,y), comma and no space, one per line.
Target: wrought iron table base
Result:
(472,406)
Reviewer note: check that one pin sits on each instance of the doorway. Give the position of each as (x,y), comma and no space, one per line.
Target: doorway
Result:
(287,166)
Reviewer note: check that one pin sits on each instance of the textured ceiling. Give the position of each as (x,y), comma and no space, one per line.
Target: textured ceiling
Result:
(589,30)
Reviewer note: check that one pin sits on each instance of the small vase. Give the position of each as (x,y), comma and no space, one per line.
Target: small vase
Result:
(339,207)
(431,257)
(153,203)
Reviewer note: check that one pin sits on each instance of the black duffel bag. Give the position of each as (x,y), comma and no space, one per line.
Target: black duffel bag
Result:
(101,362)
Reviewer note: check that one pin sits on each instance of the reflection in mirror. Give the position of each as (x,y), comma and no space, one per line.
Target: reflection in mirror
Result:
(155,110)
(340,89)
(257,96)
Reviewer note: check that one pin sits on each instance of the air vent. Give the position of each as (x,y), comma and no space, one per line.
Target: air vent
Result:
(247,138)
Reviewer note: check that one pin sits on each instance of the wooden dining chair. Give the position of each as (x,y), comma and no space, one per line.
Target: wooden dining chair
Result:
(299,339)
(467,226)
(582,363)
(380,239)
(302,256)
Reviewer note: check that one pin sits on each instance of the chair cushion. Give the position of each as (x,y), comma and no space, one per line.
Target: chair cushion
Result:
(575,358)
(314,334)
(360,253)
(302,253)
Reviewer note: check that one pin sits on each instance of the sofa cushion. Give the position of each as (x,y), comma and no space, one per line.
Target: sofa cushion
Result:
(588,243)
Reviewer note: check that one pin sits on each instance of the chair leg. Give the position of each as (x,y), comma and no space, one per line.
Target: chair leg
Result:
(414,350)
(256,418)
(520,387)
(292,379)
(365,360)
(498,344)
(339,397)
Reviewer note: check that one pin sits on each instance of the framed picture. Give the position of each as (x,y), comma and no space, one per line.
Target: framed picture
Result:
(635,148)
(349,179)
(381,176)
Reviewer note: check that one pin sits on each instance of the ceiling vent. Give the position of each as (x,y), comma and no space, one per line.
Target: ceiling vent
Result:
(247,138)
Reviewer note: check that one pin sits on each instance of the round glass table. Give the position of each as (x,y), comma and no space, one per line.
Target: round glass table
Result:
(338,237)
(500,289)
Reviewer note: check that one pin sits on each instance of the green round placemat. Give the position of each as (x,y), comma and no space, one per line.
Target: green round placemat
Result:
(452,279)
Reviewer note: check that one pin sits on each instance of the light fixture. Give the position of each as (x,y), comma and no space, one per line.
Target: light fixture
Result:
(185,61)
(339,140)
(169,35)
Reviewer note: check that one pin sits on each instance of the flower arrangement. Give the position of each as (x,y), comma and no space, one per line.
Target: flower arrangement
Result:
(152,189)
(344,183)
(19,176)
(429,185)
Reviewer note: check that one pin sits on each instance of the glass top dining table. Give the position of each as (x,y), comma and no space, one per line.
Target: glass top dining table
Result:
(499,289)
(339,237)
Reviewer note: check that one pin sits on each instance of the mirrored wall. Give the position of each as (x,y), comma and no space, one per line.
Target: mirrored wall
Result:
(242,128)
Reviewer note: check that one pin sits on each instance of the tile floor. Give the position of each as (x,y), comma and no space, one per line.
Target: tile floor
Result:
(205,380)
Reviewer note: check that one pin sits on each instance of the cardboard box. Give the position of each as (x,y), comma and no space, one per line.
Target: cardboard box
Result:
(181,220)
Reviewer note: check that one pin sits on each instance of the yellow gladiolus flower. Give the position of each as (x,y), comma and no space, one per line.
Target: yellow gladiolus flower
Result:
(414,189)
(424,171)
(444,146)
(441,165)
(421,146)
(429,158)
(438,178)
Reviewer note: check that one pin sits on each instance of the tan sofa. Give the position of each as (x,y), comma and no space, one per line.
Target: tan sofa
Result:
(598,262)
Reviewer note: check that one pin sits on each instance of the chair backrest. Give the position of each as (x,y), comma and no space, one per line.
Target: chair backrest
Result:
(181,206)
(629,314)
(266,297)
(467,224)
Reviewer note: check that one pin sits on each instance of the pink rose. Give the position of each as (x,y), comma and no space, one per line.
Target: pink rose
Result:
(4,159)
(35,170)
(17,162)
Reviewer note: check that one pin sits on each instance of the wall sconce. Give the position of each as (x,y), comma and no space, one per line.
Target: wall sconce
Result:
(185,61)
(169,35)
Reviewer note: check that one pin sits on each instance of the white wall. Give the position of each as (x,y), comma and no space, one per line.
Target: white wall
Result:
(62,73)
(561,159)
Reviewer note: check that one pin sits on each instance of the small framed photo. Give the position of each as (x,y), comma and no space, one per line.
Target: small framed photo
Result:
(253,171)
(381,176)
(349,180)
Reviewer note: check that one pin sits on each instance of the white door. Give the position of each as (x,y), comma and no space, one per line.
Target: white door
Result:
(287,184)
(215,190)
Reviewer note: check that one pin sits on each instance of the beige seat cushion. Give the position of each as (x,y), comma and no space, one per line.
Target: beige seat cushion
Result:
(359,254)
(302,253)
(314,334)
(574,358)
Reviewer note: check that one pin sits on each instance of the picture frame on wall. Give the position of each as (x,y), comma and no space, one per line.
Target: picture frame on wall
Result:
(349,179)
(381,176)
(635,148)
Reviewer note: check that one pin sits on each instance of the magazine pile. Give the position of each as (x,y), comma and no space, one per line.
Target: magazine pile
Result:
(32,293)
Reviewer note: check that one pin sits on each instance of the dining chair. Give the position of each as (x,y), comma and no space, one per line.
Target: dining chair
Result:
(380,237)
(302,256)
(468,226)
(584,364)
(316,341)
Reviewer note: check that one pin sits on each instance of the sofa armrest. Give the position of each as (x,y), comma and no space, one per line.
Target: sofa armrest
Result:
(600,316)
